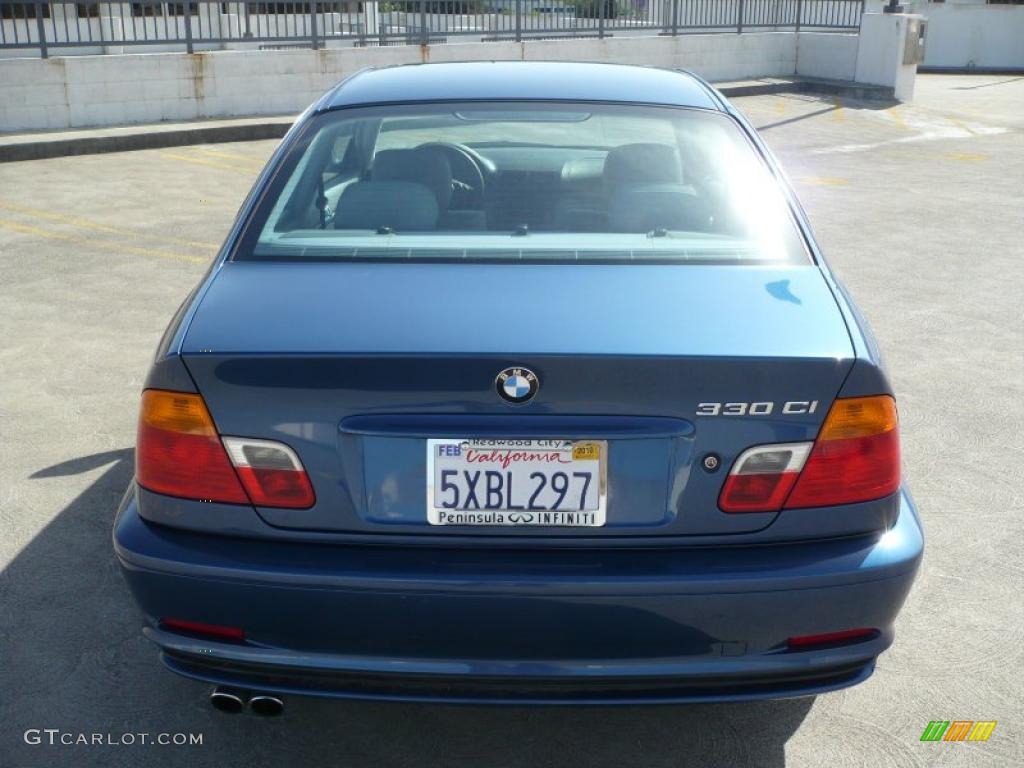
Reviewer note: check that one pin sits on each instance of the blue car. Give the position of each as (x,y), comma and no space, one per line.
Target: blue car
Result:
(519,383)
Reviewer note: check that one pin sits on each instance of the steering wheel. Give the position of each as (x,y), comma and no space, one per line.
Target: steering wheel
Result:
(468,180)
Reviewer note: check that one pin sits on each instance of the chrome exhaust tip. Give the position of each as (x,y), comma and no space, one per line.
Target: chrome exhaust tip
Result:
(227,700)
(265,705)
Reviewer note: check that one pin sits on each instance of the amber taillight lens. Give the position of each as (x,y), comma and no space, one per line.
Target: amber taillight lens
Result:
(179,452)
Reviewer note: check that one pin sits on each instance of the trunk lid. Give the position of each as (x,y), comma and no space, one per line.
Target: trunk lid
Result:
(356,366)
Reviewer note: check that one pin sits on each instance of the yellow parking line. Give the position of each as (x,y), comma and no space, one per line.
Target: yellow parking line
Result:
(103,244)
(959,124)
(825,181)
(90,224)
(229,156)
(840,113)
(966,157)
(209,163)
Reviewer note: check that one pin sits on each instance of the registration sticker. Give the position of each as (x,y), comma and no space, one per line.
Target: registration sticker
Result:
(582,451)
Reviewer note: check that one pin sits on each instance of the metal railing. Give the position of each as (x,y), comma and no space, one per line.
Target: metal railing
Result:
(195,25)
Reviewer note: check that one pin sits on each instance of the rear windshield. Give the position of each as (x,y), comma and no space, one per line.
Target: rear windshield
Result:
(524,182)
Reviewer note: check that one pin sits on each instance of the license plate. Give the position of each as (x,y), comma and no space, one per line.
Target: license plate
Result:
(557,483)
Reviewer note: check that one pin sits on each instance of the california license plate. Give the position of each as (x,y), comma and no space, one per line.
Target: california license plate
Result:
(558,483)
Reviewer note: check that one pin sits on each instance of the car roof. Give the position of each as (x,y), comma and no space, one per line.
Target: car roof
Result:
(521,80)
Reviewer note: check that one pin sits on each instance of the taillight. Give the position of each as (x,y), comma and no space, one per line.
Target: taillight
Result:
(272,474)
(762,477)
(856,456)
(179,452)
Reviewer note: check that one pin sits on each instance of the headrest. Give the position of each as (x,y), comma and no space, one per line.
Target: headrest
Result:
(646,207)
(401,205)
(423,165)
(642,164)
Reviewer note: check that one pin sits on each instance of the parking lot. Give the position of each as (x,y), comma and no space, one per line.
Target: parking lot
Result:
(919,206)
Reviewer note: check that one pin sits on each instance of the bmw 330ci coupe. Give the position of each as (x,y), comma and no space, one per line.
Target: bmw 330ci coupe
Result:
(519,382)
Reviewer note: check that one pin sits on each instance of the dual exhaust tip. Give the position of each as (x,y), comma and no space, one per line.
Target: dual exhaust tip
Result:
(233,701)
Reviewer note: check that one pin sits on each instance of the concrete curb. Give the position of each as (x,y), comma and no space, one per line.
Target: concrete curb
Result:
(926,70)
(18,147)
(86,142)
(848,90)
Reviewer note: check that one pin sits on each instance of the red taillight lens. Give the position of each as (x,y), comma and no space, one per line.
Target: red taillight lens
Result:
(271,472)
(179,453)
(199,628)
(762,477)
(806,642)
(855,458)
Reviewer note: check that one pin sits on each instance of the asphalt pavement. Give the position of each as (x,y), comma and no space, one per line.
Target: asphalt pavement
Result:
(920,207)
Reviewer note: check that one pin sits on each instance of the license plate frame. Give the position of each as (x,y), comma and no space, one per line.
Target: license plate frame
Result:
(580,451)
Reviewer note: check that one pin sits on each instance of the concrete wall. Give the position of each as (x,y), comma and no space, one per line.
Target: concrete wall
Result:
(972,35)
(881,48)
(47,94)
(824,54)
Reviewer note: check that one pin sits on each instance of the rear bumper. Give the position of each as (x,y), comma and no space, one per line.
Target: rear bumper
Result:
(552,626)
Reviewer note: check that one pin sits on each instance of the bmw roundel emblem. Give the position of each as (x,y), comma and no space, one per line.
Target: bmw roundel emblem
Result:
(517,385)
